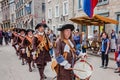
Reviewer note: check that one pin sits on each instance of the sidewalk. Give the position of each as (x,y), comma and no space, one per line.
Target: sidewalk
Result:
(111,54)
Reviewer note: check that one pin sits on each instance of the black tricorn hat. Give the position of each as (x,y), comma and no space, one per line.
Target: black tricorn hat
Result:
(40,25)
(29,30)
(66,26)
(16,30)
(22,30)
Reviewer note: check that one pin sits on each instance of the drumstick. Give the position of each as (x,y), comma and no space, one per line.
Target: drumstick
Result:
(76,69)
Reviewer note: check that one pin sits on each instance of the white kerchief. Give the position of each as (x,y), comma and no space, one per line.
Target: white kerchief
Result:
(40,33)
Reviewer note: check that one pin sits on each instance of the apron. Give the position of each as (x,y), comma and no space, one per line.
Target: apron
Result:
(113,44)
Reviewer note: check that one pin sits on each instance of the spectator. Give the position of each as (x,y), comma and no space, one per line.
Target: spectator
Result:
(1,36)
(118,40)
(113,41)
(95,35)
(118,60)
(6,37)
(117,55)
(105,50)
(77,39)
(52,38)
(84,42)
(95,40)
(9,35)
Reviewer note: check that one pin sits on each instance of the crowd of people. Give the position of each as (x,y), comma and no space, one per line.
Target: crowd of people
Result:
(5,36)
(40,46)
(109,43)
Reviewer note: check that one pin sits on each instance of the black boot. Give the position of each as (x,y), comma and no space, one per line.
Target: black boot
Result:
(33,64)
(41,70)
(30,69)
(23,61)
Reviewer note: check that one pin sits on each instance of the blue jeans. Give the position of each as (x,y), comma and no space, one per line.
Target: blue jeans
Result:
(83,50)
(78,46)
(118,64)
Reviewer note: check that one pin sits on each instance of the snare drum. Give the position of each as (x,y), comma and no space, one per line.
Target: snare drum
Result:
(82,69)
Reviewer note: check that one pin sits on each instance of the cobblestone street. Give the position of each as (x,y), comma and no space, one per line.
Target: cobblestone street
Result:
(11,68)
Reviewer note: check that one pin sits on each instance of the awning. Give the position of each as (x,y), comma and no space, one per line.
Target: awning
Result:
(95,20)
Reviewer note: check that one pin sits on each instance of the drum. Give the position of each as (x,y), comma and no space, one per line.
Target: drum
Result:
(82,69)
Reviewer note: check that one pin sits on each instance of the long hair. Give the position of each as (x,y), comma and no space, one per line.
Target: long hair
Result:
(62,36)
(105,34)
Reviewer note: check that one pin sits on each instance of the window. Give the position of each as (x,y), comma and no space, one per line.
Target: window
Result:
(28,8)
(65,8)
(118,26)
(21,1)
(102,2)
(17,6)
(50,13)
(12,17)
(56,11)
(16,15)
(22,11)
(79,4)
(43,7)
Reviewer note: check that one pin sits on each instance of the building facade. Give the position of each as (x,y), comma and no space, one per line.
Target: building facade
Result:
(5,13)
(106,8)
(19,10)
(0,15)
(59,12)
(12,13)
(29,13)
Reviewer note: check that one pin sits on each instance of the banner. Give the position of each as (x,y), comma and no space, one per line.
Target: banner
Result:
(88,6)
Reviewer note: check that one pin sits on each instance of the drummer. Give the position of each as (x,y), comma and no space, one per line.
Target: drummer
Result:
(65,53)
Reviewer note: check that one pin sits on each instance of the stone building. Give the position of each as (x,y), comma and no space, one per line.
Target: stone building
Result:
(59,12)
(12,13)
(19,10)
(0,15)
(107,8)
(5,13)
(29,12)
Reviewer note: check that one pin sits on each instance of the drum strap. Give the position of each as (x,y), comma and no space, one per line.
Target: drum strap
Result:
(71,48)
(55,65)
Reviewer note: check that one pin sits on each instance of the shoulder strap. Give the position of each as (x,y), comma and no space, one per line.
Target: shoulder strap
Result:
(22,38)
(71,48)
(29,39)
(39,37)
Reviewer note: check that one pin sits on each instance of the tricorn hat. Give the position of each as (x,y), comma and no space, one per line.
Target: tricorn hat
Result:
(22,30)
(16,30)
(66,26)
(29,30)
(40,25)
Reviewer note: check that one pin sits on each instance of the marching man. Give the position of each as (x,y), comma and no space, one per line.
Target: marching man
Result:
(41,45)
(27,44)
